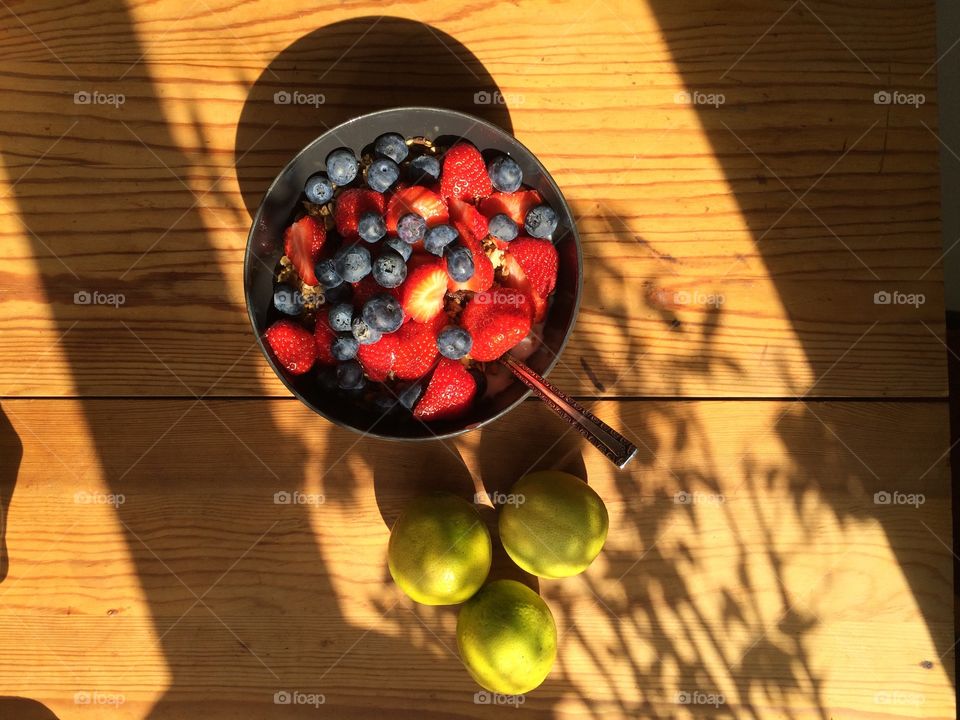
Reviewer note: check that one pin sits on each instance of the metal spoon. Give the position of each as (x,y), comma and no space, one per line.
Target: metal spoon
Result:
(615,446)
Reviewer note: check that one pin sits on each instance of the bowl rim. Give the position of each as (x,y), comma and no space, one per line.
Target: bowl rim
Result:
(332,132)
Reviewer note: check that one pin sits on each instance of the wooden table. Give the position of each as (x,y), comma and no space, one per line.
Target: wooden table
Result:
(746,203)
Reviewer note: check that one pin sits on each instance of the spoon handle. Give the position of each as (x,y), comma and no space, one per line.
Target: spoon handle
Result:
(615,446)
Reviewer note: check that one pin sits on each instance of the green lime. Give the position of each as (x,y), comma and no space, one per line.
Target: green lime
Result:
(440,550)
(507,637)
(555,526)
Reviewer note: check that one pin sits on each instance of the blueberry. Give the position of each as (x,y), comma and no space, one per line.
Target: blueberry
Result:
(342,166)
(409,395)
(287,300)
(423,170)
(327,274)
(382,173)
(541,221)
(460,263)
(505,174)
(384,402)
(503,227)
(353,263)
(319,189)
(393,146)
(389,269)
(382,313)
(411,228)
(340,293)
(437,238)
(350,375)
(364,334)
(327,378)
(399,246)
(344,347)
(454,342)
(340,317)
(371,227)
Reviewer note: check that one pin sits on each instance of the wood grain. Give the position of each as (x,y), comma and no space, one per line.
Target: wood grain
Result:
(781,585)
(676,203)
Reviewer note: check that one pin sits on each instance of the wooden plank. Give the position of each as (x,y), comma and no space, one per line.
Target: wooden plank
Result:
(677,203)
(780,585)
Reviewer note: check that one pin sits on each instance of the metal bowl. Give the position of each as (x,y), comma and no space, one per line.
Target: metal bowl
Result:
(282,201)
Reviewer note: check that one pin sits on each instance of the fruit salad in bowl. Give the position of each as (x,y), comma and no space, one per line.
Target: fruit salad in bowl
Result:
(397,258)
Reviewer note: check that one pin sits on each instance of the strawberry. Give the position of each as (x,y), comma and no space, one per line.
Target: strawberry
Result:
(515,277)
(292,345)
(467,219)
(464,174)
(497,319)
(378,358)
(514,205)
(416,199)
(351,204)
(482,268)
(417,348)
(323,336)
(449,393)
(539,261)
(422,293)
(302,243)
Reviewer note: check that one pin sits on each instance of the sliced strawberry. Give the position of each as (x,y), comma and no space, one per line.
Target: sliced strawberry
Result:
(539,261)
(450,392)
(497,320)
(422,293)
(351,204)
(482,268)
(515,205)
(378,358)
(464,174)
(303,243)
(417,348)
(467,219)
(416,199)
(324,336)
(292,345)
(515,277)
